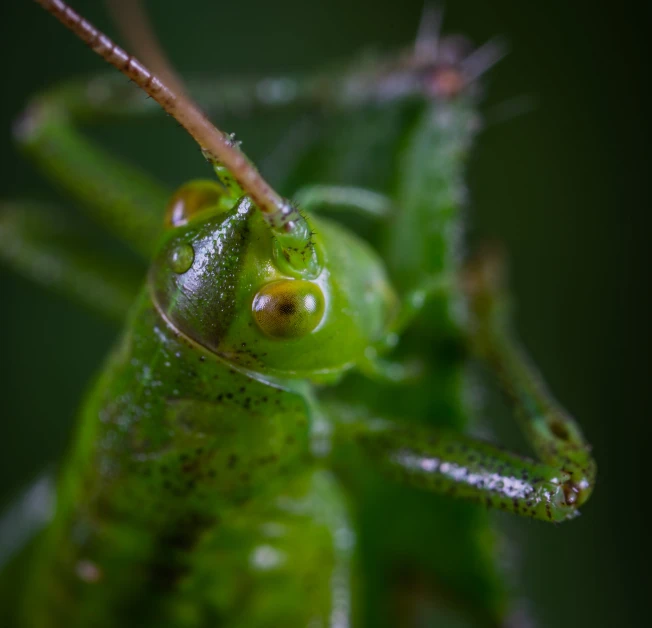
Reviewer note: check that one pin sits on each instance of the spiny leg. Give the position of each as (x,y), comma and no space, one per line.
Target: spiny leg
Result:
(39,243)
(552,432)
(446,462)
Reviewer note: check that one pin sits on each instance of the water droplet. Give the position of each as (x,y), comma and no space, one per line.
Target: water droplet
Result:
(181,258)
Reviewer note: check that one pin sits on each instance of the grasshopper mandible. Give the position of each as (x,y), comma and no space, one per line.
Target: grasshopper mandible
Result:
(249,431)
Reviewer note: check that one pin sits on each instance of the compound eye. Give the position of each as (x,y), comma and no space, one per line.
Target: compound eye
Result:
(288,309)
(190,200)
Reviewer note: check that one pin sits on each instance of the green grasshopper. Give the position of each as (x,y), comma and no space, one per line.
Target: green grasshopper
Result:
(278,437)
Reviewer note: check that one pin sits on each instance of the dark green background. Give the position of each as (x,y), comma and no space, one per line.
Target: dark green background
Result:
(565,187)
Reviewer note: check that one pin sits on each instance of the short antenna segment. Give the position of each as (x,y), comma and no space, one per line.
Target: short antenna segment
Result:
(284,219)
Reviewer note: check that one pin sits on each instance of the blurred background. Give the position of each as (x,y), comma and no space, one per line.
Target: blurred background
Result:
(565,186)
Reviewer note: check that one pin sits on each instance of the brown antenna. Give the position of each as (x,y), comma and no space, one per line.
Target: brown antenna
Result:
(136,28)
(284,219)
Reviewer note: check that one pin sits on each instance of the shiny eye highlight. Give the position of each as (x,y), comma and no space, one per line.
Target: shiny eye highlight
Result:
(288,309)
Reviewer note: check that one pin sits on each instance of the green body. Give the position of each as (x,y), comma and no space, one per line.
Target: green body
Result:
(190,453)
(231,471)
(162,487)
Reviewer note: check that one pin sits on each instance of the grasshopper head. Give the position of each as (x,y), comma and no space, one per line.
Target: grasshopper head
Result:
(219,279)
(258,288)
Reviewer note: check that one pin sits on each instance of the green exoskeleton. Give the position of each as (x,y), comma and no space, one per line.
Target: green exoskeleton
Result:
(277,438)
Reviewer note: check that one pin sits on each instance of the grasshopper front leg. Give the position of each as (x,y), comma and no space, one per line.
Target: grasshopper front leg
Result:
(443,461)
(552,432)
